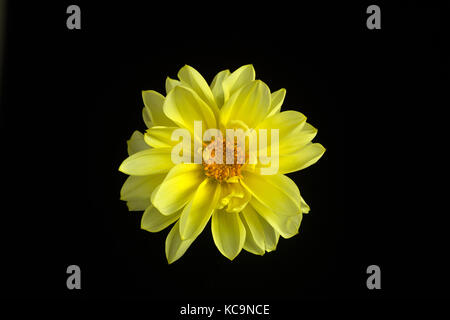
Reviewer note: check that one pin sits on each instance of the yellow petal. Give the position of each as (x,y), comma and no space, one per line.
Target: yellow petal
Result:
(286,226)
(226,194)
(184,106)
(304,206)
(294,141)
(305,136)
(296,220)
(138,204)
(136,143)
(236,204)
(178,187)
(194,80)
(271,236)
(140,187)
(250,104)
(277,99)
(234,197)
(216,86)
(294,136)
(301,159)
(146,162)
(170,84)
(228,233)
(160,137)
(154,102)
(287,122)
(239,78)
(196,214)
(147,117)
(277,192)
(250,244)
(229,191)
(253,221)
(289,125)
(153,221)
(175,247)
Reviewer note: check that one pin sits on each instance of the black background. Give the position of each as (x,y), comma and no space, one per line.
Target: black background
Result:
(71,99)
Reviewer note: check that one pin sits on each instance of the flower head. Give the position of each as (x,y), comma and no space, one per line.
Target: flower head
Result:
(236,147)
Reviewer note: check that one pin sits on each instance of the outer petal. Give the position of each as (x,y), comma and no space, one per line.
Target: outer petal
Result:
(160,137)
(194,79)
(304,205)
(305,136)
(250,244)
(228,233)
(277,99)
(287,122)
(136,143)
(289,125)
(154,102)
(170,84)
(255,226)
(294,141)
(301,159)
(296,220)
(140,187)
(196,214)
(184,106)
(178,187)
(147,117)
(271,236)
(217,88)
(287,226)
(294,131)
(175,247)
(249,104)
(239,78)
(150,161)
(138,204)
(277,192)
(153,221)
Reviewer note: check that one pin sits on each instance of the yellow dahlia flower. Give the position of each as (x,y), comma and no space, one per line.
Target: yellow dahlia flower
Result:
(249,208)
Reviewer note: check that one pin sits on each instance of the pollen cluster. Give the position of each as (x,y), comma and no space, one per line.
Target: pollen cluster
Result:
(226,169)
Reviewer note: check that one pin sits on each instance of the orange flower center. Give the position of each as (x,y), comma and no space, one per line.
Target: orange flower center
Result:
(223,171)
